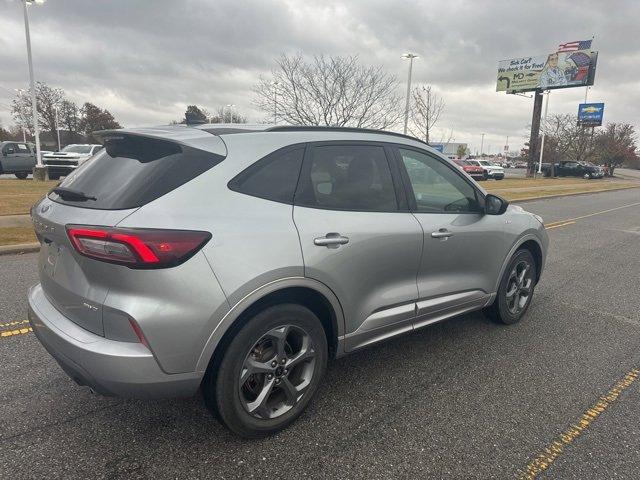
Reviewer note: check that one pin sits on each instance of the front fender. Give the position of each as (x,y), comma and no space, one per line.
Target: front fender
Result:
(537,235)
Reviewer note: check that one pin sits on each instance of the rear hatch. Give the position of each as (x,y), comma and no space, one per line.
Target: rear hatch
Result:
(131,171)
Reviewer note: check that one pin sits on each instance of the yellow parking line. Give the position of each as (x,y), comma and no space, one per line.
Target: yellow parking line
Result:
(20,331)
(556,225)
(544,459)
(561,223)
(11,324)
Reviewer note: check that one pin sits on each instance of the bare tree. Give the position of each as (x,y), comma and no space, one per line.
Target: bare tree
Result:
(226,115)
(48,99)
(334,91)
(427,108)
(567,140)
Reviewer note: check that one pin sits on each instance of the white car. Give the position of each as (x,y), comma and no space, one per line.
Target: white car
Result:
(490,170)
(62,163)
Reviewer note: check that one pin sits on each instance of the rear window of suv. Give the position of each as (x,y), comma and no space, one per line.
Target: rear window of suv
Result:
(133,171)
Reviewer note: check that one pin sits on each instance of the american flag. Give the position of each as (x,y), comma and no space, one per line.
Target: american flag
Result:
(574,46)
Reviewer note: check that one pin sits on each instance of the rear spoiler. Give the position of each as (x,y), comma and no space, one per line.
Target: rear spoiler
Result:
(177,134)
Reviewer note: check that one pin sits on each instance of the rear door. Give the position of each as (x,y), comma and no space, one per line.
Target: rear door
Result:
(358,238)
(462,249)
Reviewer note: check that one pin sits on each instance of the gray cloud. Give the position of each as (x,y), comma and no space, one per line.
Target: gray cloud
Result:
(145,60)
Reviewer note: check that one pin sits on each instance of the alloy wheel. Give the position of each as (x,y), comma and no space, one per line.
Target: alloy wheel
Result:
(277,372)
(519,287)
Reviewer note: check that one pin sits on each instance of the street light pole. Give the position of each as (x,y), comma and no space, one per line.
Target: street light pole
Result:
(39,172)
(482,145)
(275,102)
(57,126)
(230,110)
(410,56)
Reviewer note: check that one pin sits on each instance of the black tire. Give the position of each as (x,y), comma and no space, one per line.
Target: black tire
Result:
(22,175)
(503,309)
(485,176)
(224,394)
(499,178)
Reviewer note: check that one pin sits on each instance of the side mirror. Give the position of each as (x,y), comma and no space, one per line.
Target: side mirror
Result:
(495,205)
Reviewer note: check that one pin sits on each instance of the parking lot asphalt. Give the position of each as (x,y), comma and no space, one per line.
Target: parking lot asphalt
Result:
(554,396)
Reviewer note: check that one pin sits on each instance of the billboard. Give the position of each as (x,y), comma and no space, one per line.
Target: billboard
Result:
(545,72)
(590,114)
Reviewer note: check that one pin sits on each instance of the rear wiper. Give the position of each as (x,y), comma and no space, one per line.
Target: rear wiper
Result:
(70,194)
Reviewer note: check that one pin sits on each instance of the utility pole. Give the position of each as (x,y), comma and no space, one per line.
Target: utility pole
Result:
(535,130)
(410,56)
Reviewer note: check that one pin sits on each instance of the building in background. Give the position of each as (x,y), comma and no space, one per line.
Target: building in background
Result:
(450,150)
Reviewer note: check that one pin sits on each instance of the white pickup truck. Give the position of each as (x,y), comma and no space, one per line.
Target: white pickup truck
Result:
(62,163)
(490,170)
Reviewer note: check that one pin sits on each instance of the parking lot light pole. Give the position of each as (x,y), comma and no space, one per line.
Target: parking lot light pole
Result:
(230,110)
(482,145)
(39,171)
(410,56)
(57,127)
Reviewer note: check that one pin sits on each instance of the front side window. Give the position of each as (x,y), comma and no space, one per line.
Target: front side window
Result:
(436,187)
(273,177)
(348,177)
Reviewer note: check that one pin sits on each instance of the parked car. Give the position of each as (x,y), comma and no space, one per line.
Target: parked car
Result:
(62,163)
(240,260)
(570,168)
(475,171)
(17,158)
(490,170)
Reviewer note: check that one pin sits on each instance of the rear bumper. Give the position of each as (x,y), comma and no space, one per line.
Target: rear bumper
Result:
(108,367)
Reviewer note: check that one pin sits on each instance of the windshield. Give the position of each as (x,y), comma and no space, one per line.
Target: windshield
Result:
(485,163)
(77,149)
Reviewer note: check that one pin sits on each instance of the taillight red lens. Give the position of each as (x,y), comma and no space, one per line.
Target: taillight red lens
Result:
(137,247)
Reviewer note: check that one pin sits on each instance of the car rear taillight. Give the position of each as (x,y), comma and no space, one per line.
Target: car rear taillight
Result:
(137,247)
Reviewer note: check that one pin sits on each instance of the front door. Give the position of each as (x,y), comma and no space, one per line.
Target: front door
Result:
(462,246)
(357,238)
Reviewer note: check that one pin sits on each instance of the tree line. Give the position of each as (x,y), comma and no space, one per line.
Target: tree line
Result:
(76,123)
(612,146)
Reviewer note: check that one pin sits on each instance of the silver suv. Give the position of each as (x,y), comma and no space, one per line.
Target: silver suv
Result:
(239,260)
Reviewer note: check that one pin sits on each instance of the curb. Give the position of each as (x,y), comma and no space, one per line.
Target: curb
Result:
(19,248)
(531,199)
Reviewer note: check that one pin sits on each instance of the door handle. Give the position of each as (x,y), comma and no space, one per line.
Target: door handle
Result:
(331,240)
(442,233)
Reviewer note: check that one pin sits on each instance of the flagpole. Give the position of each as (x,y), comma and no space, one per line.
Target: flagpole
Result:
(586,90)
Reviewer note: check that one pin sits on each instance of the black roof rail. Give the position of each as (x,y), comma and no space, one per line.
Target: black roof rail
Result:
(320,128)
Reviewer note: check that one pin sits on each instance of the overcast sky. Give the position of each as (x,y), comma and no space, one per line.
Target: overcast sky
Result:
(146,60)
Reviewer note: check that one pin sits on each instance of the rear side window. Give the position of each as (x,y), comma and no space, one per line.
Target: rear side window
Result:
(133,171)
(348,177)
(274,177)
